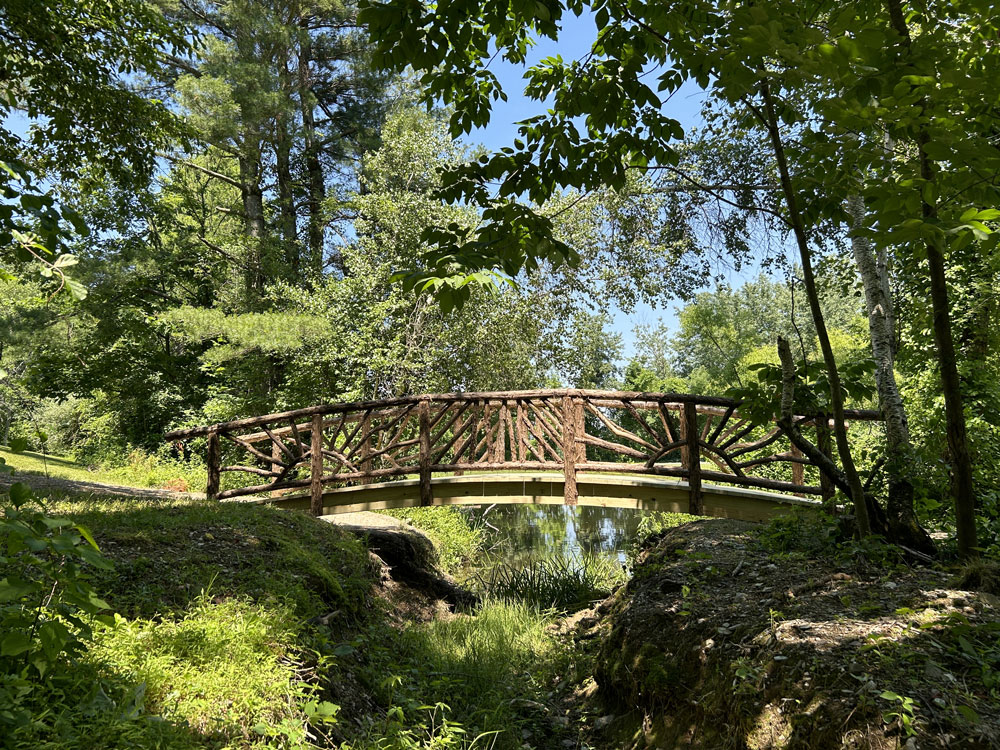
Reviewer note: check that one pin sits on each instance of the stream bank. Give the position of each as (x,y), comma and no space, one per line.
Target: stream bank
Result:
(242,626)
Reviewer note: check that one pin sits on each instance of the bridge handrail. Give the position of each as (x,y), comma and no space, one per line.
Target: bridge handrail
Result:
(325,409)
(504,430)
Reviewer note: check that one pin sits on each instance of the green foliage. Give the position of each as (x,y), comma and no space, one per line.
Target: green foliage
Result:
(762,397)
(238,335)
(33,229)
(46,600)
(69,62)
(230,670)
(137,469)
(655,522)
(215,641)
(481,681)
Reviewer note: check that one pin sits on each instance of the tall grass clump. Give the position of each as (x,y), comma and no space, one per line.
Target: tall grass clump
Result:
(229,670)
(558,582)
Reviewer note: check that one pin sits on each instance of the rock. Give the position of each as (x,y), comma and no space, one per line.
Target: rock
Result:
(409,557)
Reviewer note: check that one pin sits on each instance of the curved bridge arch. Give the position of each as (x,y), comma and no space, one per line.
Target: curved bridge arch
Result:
(654,451)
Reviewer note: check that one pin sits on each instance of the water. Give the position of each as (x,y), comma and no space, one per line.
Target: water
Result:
(522,533)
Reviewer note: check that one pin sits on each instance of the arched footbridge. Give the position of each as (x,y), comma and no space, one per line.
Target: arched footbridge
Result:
(649,451)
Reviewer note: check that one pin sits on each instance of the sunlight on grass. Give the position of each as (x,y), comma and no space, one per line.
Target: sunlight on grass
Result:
(224,668)
(469,681)
(138,469)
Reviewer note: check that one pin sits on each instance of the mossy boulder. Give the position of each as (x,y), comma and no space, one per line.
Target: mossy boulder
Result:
(719,642)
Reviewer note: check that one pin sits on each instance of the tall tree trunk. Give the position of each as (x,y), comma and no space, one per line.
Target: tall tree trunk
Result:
(770,121)
(253,210)
(283,169)
(315,182)
(901,517)
(962,487)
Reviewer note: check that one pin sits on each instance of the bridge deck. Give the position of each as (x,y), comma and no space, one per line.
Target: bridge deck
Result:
(546,488)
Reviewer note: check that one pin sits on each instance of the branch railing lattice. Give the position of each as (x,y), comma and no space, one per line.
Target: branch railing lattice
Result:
(660,434)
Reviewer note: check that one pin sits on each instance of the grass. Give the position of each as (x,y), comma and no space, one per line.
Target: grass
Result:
(139,470)
(222,669)
(557,582)
(216,641)
(482,681)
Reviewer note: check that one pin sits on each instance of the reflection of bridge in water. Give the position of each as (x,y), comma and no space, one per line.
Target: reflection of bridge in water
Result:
(649,451)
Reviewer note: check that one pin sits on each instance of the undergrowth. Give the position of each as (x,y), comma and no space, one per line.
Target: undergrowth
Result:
(470,681)
(223,633)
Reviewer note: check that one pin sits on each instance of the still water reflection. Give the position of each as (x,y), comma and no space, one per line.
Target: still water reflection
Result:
(520,533)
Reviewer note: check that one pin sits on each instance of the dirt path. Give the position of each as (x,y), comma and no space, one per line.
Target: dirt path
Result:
(41,483)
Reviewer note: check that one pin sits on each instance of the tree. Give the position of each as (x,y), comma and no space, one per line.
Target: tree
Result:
(280,94)
(781,63)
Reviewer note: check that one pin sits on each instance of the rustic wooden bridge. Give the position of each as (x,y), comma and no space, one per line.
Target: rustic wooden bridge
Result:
(653,451)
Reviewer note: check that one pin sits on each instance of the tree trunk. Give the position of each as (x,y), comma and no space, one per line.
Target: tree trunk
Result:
(315,182)
(770,121)
(901,517)
(283,168)
(962,486)
(253,209)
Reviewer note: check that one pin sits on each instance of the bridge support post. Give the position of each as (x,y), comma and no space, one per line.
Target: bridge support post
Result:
(570,494)
(214,460)
(692,458)
(366,447)
(316,466)
(276,464)
(424,419)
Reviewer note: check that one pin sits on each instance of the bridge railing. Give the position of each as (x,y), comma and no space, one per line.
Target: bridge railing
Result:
(695,438)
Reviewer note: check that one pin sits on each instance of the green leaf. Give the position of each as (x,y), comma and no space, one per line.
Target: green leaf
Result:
(85,533)
(20,493)
(12,590)
(14,643)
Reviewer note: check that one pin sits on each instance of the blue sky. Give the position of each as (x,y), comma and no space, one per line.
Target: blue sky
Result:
(574,42)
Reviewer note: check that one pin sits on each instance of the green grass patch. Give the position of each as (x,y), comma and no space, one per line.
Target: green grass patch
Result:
(167,552)
(227,670)
(560,583)
(138,469)
(216,642)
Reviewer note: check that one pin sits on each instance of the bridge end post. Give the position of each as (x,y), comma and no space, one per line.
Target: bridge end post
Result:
(214,460)
(570,492)
(316,466)
(693,458)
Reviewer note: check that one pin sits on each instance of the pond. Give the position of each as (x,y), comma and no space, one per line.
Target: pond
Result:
(519,534)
